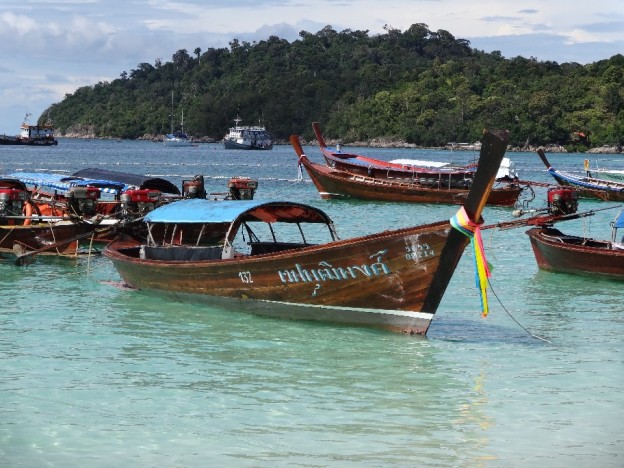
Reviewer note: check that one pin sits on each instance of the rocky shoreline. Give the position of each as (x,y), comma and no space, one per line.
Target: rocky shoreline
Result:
(385,143)
(87,132)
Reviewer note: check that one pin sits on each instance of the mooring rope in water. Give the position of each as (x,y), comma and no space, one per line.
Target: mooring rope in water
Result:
(513,318)
(501,302)
(90,250)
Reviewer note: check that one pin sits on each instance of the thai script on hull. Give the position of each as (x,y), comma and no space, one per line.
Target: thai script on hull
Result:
(327,272)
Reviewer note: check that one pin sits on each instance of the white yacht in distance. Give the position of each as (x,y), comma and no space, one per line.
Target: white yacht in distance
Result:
(178,138)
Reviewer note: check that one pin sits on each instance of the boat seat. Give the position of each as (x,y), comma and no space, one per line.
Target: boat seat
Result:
(180,253)
(258,248)
(564,238)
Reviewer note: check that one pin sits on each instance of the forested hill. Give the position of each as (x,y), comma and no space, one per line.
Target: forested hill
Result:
(417,86)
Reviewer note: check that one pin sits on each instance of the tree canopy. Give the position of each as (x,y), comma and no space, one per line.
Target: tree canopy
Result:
(417,86)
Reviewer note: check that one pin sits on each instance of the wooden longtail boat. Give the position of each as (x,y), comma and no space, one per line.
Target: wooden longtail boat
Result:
(60,238)
(392,280)
(334,183)
(557,251)
(587,187)
(22,227)
(446,176)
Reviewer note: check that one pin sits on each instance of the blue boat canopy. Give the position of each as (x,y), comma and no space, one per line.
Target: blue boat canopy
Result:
(202,211)
(130,180)
(65,183)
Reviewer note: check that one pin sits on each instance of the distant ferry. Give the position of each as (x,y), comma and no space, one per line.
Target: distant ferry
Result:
(247,138)
(34,135)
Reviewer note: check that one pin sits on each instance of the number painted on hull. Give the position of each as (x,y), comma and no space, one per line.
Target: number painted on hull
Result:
(418,252)
(245,277)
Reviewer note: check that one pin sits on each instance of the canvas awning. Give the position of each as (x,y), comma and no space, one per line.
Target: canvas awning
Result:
(131,180)
(209,211)
(65,183)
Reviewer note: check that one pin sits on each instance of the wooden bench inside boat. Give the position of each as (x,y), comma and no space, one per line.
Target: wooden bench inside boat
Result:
(181,253)
(564,239)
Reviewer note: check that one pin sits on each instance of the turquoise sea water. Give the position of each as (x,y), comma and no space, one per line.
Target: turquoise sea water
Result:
(94,375)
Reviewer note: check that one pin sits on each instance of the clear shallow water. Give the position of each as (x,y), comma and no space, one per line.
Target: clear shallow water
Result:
(93,374)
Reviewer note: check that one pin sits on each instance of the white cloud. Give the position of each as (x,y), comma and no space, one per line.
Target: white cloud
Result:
(51,47)
(17,24)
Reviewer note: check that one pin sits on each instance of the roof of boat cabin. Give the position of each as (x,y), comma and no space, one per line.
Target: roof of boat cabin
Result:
(136,180)
(203,211)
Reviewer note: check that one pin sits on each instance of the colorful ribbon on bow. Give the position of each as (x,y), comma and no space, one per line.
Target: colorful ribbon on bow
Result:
(469,228)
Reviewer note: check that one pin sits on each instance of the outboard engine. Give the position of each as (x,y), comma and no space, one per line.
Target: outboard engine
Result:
(82,201)
(12,202)
(194,188)
(562,201)
(137,203)
(242,188)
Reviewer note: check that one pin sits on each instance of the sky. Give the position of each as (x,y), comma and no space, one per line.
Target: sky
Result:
(50,48)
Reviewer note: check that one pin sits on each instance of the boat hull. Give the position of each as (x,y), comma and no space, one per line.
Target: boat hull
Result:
(332,183)
(449,177)
(39,236)
(233,145)
(178,143)
(555,251)
(5,140)
(382,281)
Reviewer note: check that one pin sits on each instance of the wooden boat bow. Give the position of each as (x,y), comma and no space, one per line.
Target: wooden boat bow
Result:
(319,135)
(493,146)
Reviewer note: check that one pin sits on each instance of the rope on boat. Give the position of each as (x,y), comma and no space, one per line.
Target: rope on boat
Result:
(7,234)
